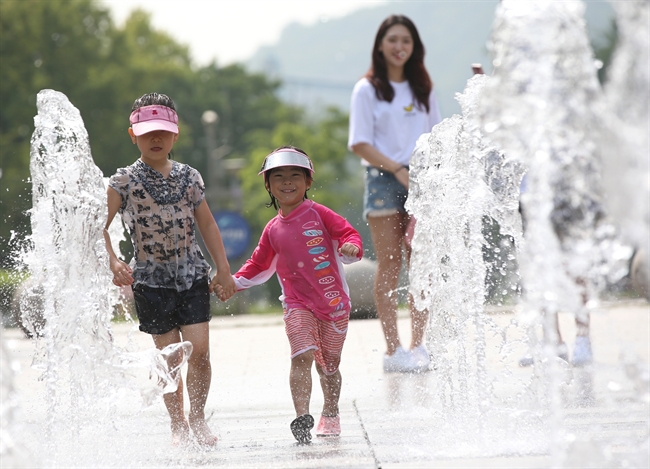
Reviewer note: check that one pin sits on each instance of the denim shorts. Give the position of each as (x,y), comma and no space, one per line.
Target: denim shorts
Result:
(161,310)
(383,194)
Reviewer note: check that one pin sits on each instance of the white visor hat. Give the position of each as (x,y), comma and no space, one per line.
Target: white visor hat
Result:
(286,157)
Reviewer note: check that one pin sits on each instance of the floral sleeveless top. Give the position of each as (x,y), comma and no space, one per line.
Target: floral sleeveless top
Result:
(159,214)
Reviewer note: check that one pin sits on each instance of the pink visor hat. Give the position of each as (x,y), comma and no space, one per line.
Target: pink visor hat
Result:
(286,157)
(155,117)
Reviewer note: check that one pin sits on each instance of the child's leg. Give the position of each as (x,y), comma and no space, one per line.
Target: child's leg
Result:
(331,385)
(582,324)
(174,401)
(300,381)
(582,315)
(328,356)
(199,376)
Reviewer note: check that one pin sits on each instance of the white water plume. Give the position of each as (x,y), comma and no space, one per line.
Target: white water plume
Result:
(85,373)
(543,113)
(458,177)
(626,171)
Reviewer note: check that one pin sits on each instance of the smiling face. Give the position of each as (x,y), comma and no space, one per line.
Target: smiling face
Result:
(288,184)
(154,146)
(397,46)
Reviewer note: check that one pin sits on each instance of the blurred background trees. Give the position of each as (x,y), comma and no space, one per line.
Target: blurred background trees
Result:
(74,47)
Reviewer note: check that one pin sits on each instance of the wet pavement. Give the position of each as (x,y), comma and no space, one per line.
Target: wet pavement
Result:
(388,420)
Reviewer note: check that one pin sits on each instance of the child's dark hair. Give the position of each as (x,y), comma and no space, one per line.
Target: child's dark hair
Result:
(150,99)
(274,203)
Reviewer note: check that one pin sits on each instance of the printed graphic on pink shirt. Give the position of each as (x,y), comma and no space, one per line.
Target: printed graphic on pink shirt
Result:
(322,265)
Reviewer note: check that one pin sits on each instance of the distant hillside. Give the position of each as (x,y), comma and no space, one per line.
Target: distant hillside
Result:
(320,63)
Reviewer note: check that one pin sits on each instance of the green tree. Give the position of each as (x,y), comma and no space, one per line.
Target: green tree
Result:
(244,102)
(42,45)
(335,168)
(74,47)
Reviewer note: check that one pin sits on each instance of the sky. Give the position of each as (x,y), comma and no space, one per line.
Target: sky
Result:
(231,30)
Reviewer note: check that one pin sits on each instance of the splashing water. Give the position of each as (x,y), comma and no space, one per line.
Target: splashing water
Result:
(67,261)
(542,112)
(11,450)
(86,374)
(626,172)
(536,113)
(543,106)
(458,177)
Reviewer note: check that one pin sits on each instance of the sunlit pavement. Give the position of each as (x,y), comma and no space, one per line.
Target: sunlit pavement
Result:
(388,420)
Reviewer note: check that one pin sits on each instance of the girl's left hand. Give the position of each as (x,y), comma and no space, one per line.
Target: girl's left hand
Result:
(349,249)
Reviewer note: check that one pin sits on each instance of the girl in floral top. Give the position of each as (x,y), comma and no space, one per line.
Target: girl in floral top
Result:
(161,202)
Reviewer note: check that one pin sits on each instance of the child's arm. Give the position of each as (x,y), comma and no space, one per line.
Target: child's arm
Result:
(122,273)
(213,242)
(351,245)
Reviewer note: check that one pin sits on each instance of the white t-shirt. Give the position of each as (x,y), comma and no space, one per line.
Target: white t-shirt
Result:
(392,128)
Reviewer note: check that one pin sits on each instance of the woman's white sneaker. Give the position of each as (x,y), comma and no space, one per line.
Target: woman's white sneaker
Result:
(421,359)
(398,362)
(407,361)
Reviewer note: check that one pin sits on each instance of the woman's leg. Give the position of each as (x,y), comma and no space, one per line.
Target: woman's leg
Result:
(419,319)
(174,400)
(199,376)
(300,381)
(387,237)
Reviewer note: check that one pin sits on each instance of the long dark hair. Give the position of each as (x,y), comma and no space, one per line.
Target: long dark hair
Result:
(414,70)
(274,203)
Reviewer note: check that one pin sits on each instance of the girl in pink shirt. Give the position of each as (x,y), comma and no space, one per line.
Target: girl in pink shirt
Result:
(305,245)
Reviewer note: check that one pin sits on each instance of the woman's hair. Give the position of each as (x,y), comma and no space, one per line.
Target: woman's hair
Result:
(150,99)
(274,203)
(414,69)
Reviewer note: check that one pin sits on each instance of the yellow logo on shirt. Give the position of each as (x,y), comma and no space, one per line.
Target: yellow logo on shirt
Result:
(408,108)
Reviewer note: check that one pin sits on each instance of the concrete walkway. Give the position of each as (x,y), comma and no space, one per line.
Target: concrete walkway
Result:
(388,420)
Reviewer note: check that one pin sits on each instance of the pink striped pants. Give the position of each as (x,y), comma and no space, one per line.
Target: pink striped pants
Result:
(306,332)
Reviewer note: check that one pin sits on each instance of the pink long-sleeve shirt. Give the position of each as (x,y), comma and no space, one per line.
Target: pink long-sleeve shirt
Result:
(302,248)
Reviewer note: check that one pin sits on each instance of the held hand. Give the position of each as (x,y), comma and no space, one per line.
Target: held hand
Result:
(220,292)
(223,285)
(212,286)
(122,273)
(349,249)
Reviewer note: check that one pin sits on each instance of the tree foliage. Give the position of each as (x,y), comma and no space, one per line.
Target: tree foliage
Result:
(73,46)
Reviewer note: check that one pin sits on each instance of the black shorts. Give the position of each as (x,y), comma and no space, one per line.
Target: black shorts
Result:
(162,309)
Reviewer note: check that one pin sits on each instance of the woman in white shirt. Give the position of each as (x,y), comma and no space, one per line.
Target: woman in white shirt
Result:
(391,107)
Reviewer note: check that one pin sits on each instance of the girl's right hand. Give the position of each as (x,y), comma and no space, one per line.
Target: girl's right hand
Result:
(122,273)
(402,176)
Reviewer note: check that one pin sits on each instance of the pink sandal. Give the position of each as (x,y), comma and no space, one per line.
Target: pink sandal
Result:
(328,426)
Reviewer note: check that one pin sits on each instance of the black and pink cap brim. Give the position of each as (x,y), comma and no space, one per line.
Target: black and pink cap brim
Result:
(142,128)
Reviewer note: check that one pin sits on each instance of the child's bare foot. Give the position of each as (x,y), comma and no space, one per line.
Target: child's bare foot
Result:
(180,433)
(202,432)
